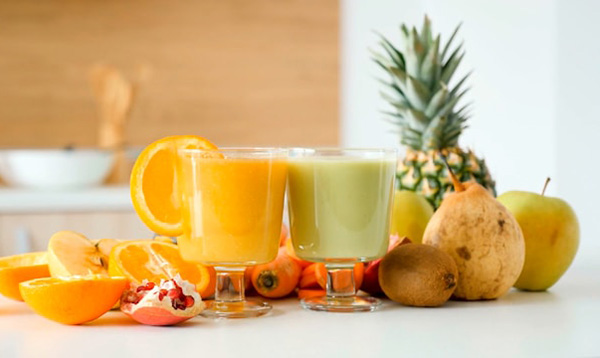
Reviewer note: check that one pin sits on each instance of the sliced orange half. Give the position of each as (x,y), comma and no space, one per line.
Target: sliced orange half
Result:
(18,268)
(153,184)
(73,300)
(154,260)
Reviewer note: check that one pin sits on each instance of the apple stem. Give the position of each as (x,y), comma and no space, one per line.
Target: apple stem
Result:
(545,185)
(458,186)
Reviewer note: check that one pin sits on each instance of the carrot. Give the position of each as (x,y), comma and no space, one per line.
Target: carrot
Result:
(277,278)
(321,276)
(290,251)
(308,293)
(308,279)
(248,279)
(314,276)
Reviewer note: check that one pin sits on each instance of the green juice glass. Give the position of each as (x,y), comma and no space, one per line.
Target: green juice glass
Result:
(340,204)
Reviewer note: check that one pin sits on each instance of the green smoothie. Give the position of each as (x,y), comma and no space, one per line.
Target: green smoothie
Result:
(340,207)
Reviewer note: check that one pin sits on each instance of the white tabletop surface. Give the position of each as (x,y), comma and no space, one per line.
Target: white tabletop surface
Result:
(564,322)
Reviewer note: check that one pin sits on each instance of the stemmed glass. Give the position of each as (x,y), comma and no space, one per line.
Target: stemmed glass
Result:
(340,203)
(232,207)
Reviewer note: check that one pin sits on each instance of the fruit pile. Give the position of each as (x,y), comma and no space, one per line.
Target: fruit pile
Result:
(476,247)
(78,280)
(521,239)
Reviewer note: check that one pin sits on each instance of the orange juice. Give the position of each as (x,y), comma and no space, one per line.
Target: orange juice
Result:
(231,208)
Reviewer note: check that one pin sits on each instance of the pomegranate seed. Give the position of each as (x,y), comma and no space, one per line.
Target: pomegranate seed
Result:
(161,294)
(173,294)
(188,301)
(146,287)
(131,297)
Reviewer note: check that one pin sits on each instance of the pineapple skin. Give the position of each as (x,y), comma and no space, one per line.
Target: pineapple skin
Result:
(425,172)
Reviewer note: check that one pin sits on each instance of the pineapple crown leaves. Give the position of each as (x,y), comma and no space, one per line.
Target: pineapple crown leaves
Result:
(418,87)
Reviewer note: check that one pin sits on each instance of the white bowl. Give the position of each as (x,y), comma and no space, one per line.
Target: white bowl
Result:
(55,168)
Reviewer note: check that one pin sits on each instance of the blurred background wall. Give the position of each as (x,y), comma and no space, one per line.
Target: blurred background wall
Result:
(534,88)
(265,72)
(261,72)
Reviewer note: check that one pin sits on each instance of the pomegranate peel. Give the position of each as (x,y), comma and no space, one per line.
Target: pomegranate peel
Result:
(155,316)
(168,303)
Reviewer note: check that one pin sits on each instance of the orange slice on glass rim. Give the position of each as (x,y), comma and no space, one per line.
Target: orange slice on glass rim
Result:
(153,184)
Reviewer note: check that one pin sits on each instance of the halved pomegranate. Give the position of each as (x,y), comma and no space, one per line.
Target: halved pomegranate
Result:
(168,303)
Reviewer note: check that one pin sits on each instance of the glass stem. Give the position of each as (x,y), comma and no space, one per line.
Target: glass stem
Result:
(340,281)
(230,284)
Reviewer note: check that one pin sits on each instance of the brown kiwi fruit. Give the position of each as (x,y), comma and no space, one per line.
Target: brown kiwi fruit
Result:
(418,275)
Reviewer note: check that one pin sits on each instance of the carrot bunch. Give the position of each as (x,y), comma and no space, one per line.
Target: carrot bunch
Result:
(288,274)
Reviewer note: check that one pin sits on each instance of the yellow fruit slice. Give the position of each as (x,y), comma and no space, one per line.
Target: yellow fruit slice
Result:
(105,246)
(18,268)
(72,254)
(73,300)
(154,260)
(153,183)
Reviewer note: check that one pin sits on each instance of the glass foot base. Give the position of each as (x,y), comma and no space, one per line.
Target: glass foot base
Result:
(243,309)
(345,304)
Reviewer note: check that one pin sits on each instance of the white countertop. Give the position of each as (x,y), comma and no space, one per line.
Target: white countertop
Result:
(104,198)
(564,322)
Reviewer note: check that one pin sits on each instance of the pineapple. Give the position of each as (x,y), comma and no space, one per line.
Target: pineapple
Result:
(426,114)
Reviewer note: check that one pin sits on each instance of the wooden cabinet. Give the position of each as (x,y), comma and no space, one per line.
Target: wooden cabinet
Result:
(28,218)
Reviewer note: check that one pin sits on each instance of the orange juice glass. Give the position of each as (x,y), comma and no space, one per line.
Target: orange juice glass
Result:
(232,207)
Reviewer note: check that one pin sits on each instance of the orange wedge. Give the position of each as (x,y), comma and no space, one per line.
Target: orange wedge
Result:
(154,260)
(18,268)
(153,183)
(73,300)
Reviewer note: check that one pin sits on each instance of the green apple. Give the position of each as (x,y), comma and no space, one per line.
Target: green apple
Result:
(551,232)
(410,215)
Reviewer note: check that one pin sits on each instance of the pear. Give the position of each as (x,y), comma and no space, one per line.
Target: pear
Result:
(551,232)
(410,215)
(483,238)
